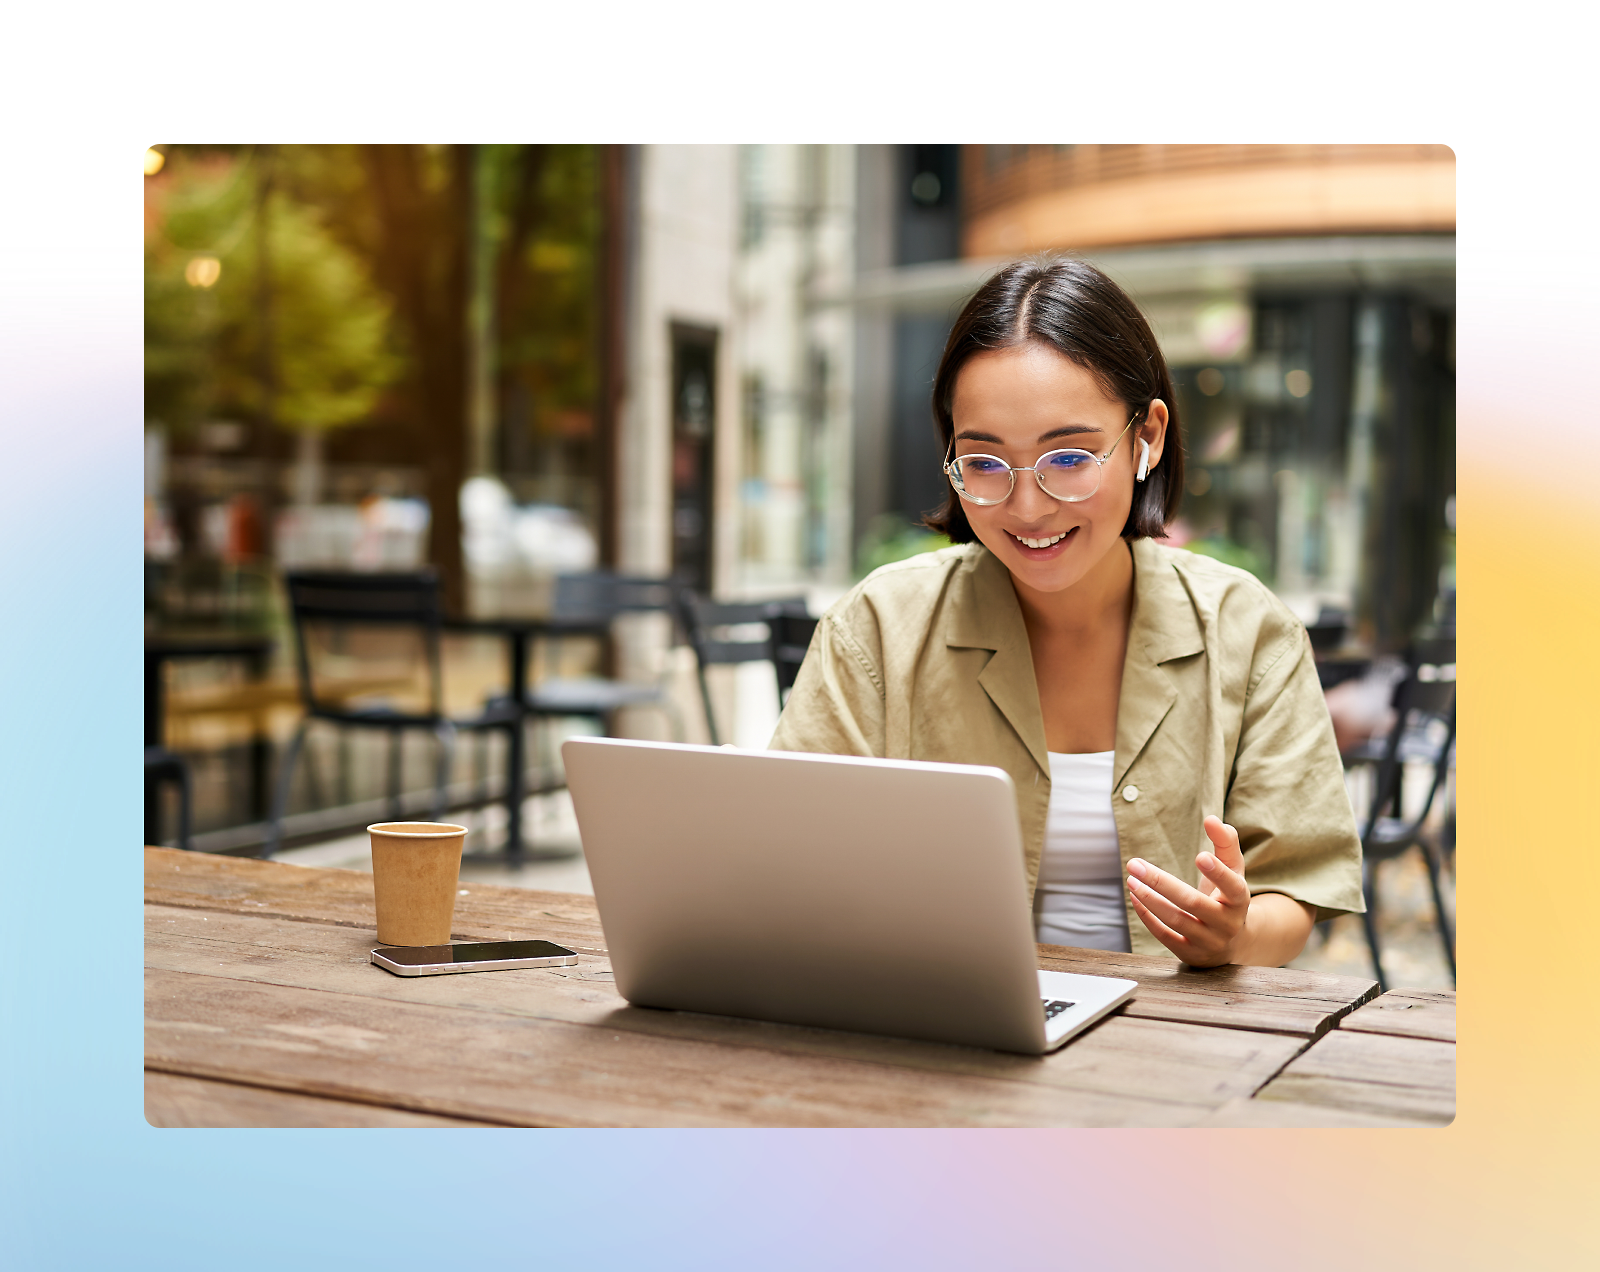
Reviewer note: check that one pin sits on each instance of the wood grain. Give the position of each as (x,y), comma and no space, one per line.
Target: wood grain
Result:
(1276,1114)
(1407,1078)
(344,897)
(1416,1106)
(1272,999)
(262,1004)
(1141,1061)
(529,1072)
(173,1101)
(1407,1013)
(1277,1000)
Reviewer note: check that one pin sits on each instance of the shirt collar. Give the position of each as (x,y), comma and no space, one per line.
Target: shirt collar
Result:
(1165,623)
(1164,626)
(984,614)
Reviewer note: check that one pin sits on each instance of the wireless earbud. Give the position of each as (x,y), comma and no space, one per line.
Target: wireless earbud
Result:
(1144,460)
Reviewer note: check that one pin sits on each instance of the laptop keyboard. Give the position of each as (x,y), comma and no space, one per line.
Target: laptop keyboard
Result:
(1053,1007)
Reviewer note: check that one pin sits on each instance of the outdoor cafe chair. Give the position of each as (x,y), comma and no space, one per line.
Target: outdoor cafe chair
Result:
(367,650)
(712,631)
(160,766)
(588,604)
(1424,732)
(790,637)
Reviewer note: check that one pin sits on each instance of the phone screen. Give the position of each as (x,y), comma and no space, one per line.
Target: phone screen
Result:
(478,952)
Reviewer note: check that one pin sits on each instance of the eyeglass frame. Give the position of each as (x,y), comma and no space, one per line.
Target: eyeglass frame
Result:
(1012,471)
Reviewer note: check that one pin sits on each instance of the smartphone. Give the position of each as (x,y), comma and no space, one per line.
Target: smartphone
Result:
(481,956)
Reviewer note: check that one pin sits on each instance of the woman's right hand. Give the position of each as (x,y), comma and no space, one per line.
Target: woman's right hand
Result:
(1203,928)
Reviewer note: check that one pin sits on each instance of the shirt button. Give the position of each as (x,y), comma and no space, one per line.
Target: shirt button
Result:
(1130,793)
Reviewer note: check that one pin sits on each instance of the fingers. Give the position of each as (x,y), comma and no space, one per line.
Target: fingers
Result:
(1174,941)
(1200,929)
(1225,839)
(1174,917)
(1175,890)
(1209,950)
(1230,884)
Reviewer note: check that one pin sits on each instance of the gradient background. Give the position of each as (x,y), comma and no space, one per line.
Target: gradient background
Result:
(85,1183)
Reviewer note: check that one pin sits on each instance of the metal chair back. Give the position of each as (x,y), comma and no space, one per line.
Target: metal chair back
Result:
(361,639)
(790,638)
(1424,732)
(358,632)
(161,766)
(712,630)
(602,595)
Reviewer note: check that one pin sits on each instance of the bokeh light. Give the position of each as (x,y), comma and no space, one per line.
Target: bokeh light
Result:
(202,271)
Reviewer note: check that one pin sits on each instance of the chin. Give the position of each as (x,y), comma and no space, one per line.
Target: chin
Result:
(1063,569)
(1045,579)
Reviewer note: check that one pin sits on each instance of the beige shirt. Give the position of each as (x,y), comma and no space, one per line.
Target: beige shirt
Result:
(1220,712)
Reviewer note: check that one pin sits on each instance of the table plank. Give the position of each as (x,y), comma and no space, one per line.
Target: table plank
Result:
(254,947)
(174,1101)
(1407,1013)
(1122,1072)
(1415,1106)
(1272,999)
(1283,982)
(1243,1114)
(1278,1000)
(344,897)
(472,1064)
(1407,1078)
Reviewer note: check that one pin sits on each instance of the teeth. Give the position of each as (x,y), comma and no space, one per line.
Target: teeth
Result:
(1040,543)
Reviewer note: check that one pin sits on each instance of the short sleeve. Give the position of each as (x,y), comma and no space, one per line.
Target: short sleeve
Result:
(1287,797)
(836,706)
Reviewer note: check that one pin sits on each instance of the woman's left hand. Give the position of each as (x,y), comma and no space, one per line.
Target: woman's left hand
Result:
(1205,927)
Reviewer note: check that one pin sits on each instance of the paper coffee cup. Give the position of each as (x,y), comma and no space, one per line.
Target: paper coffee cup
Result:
(415,868)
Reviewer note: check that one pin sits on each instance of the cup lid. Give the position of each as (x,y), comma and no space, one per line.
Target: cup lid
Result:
(418,829)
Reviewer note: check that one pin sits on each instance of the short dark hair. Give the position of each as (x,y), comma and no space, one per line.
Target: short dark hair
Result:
(1072,307)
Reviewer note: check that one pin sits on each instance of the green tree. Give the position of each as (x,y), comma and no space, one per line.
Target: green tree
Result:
(285,328)
(347,287)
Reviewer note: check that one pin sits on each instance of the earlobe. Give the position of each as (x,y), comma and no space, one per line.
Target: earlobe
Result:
(1144,460)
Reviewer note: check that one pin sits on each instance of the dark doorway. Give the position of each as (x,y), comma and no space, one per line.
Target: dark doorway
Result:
(928,204)
(694,413)
(917,482)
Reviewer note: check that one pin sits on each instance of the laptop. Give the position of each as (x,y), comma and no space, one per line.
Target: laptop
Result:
(879,896)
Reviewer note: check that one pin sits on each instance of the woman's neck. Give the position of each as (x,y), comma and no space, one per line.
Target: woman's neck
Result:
(1101,599)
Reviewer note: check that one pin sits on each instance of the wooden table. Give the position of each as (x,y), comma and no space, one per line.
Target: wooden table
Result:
(262,1010)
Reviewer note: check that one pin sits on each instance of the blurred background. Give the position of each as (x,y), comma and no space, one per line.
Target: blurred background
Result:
(711,364)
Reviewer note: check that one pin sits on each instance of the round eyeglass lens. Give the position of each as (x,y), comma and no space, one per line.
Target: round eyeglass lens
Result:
(1069,474)
(983,477)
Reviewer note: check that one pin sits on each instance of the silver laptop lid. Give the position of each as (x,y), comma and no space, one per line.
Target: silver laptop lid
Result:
(881,896)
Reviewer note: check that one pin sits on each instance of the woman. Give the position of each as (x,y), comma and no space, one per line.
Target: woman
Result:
(1147,702)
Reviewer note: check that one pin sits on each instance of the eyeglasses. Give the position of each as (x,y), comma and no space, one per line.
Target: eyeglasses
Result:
(1068,475)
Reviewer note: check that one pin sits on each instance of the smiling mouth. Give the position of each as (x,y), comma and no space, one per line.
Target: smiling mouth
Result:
(1051,541)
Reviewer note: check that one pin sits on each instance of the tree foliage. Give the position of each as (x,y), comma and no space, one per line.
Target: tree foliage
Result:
(344,291)
(291,332)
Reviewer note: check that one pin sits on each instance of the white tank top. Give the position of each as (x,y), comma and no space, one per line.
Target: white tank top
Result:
(1078,900)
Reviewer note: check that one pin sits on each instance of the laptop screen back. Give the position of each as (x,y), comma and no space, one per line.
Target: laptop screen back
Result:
(873,895)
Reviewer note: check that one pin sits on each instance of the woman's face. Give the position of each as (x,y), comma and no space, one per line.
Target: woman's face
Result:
(1020,403)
